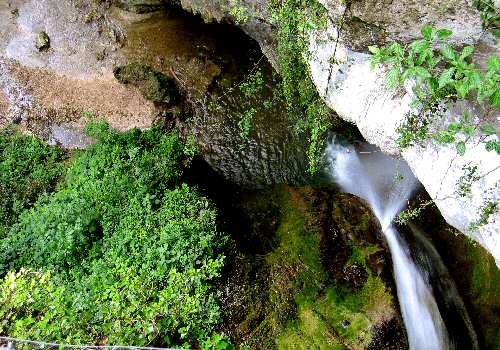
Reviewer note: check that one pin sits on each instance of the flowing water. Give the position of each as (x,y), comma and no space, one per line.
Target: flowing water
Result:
(387,184)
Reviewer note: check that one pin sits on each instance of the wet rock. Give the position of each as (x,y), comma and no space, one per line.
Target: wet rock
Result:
(388,336)
(153,85)
(42,41)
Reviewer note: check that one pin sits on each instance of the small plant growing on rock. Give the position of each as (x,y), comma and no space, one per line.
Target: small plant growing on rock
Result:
(445,74)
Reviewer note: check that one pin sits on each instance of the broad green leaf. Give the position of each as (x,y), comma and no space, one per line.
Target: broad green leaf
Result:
(446,77)
(493,145)
(461,148)
(468,130)
(494,63)
(449,52)
(419,45)
(397,49)
(462,88)
(407,74)
(443,33)
(488,130)
(374,49)
(393,77)
(426,32)
(422,72)
(444,137)
(495,99)
(454,127)
(466,52)
(474,78)
(422,57)
(433,85)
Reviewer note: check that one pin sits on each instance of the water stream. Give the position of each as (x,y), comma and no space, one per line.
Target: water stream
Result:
(387,184)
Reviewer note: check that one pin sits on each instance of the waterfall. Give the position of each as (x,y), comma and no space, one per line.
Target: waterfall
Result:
(387,184)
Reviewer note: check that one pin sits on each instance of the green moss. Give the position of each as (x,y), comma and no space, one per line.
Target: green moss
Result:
(304,308)
(484,279)
(153,85)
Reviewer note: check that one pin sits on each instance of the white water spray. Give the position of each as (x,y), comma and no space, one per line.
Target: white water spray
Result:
(387,184)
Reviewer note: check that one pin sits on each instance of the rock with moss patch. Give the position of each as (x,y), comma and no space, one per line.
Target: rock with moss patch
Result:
(42,41)
(153,85)
(143,6)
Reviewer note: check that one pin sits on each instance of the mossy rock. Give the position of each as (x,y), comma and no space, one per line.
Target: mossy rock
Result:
(42,41)
(288,297)
(153,85)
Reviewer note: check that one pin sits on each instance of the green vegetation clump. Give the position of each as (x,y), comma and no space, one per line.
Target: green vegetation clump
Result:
(489,15)
(123,253)
(440,75)
(29,168)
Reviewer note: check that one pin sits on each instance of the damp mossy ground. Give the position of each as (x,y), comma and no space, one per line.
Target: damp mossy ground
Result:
(300,305)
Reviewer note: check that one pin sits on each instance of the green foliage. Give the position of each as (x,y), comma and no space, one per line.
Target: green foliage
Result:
(28,168)
(439,75)
(295,18)
(487,210)
(411,213)
(240,13)
(465,181)
(489,15)
(121,253)
(250,87)
(412,130)
(217,342)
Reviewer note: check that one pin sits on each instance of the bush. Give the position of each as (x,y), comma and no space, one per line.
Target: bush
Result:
(28,168)
(121,254)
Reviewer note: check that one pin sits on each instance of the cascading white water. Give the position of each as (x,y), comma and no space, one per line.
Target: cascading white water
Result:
(387,184)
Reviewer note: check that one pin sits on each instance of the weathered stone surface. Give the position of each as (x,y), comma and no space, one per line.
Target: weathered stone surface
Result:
(402,20)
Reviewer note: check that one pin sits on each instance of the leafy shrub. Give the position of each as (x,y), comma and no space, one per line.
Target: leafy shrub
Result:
(28,168)
(122,253)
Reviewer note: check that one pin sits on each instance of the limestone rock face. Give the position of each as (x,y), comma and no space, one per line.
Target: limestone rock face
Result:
(402,20)
(140,6)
